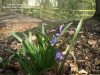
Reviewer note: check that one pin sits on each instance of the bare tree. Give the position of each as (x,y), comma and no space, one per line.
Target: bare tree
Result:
(97,13)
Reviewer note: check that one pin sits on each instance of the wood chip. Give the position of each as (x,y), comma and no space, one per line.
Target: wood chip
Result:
(83,72)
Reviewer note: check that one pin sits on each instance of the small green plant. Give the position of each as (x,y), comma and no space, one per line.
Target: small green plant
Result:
(38,57)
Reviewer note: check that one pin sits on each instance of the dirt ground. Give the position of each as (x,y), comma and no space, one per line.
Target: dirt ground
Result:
(13,22)
(86,49)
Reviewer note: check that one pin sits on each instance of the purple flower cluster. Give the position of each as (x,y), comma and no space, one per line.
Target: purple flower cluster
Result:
(54,40)
(59,56)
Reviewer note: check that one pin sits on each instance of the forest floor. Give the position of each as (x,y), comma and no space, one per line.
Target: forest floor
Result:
(86,49)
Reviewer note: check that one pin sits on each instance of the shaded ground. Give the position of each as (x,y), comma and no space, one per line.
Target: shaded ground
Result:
(86,49)
(13,22)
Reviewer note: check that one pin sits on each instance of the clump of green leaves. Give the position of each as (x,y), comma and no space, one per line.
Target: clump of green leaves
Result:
(35,57)
(38,57)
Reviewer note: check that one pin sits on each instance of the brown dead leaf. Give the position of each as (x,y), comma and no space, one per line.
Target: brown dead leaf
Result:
(97,61)
(74,67)
(34,38)
(71,33)
(71,53)
(92,42)
(81,72)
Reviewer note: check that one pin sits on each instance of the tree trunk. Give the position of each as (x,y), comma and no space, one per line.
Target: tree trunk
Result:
(2,2)
(97,13)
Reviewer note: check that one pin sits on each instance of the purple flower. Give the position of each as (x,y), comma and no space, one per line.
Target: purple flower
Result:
(57,35)
(59,56)
(54,41)
(60,28)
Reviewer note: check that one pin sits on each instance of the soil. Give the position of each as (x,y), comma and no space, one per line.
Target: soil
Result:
(86,49)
